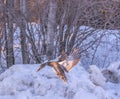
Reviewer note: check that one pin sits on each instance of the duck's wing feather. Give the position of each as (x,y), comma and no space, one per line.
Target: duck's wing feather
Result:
(71,60)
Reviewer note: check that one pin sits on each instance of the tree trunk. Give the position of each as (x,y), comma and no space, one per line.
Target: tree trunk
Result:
(51,29)
(0,43)
(22,24)
(9,33)
(1,12)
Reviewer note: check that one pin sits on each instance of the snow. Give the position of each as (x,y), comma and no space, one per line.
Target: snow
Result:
(112,73)
(96,76)
(23,82)
(115,67)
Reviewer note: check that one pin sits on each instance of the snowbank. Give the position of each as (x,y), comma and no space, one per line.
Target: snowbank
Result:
(23,82)
(112,73)
(96,76)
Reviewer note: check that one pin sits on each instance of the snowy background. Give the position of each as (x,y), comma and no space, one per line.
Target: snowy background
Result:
(23,82)
(102,53)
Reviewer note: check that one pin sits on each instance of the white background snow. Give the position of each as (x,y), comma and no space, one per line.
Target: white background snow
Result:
(23,82)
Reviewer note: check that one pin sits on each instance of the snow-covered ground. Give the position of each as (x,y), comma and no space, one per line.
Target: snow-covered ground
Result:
(23,82)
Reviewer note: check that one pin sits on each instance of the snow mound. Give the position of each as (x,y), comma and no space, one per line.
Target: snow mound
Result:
(112,73)
(23,82)
(96,76)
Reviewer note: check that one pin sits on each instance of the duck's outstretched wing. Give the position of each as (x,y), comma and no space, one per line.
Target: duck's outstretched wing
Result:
(41,66)
(57,69)
(71,60)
